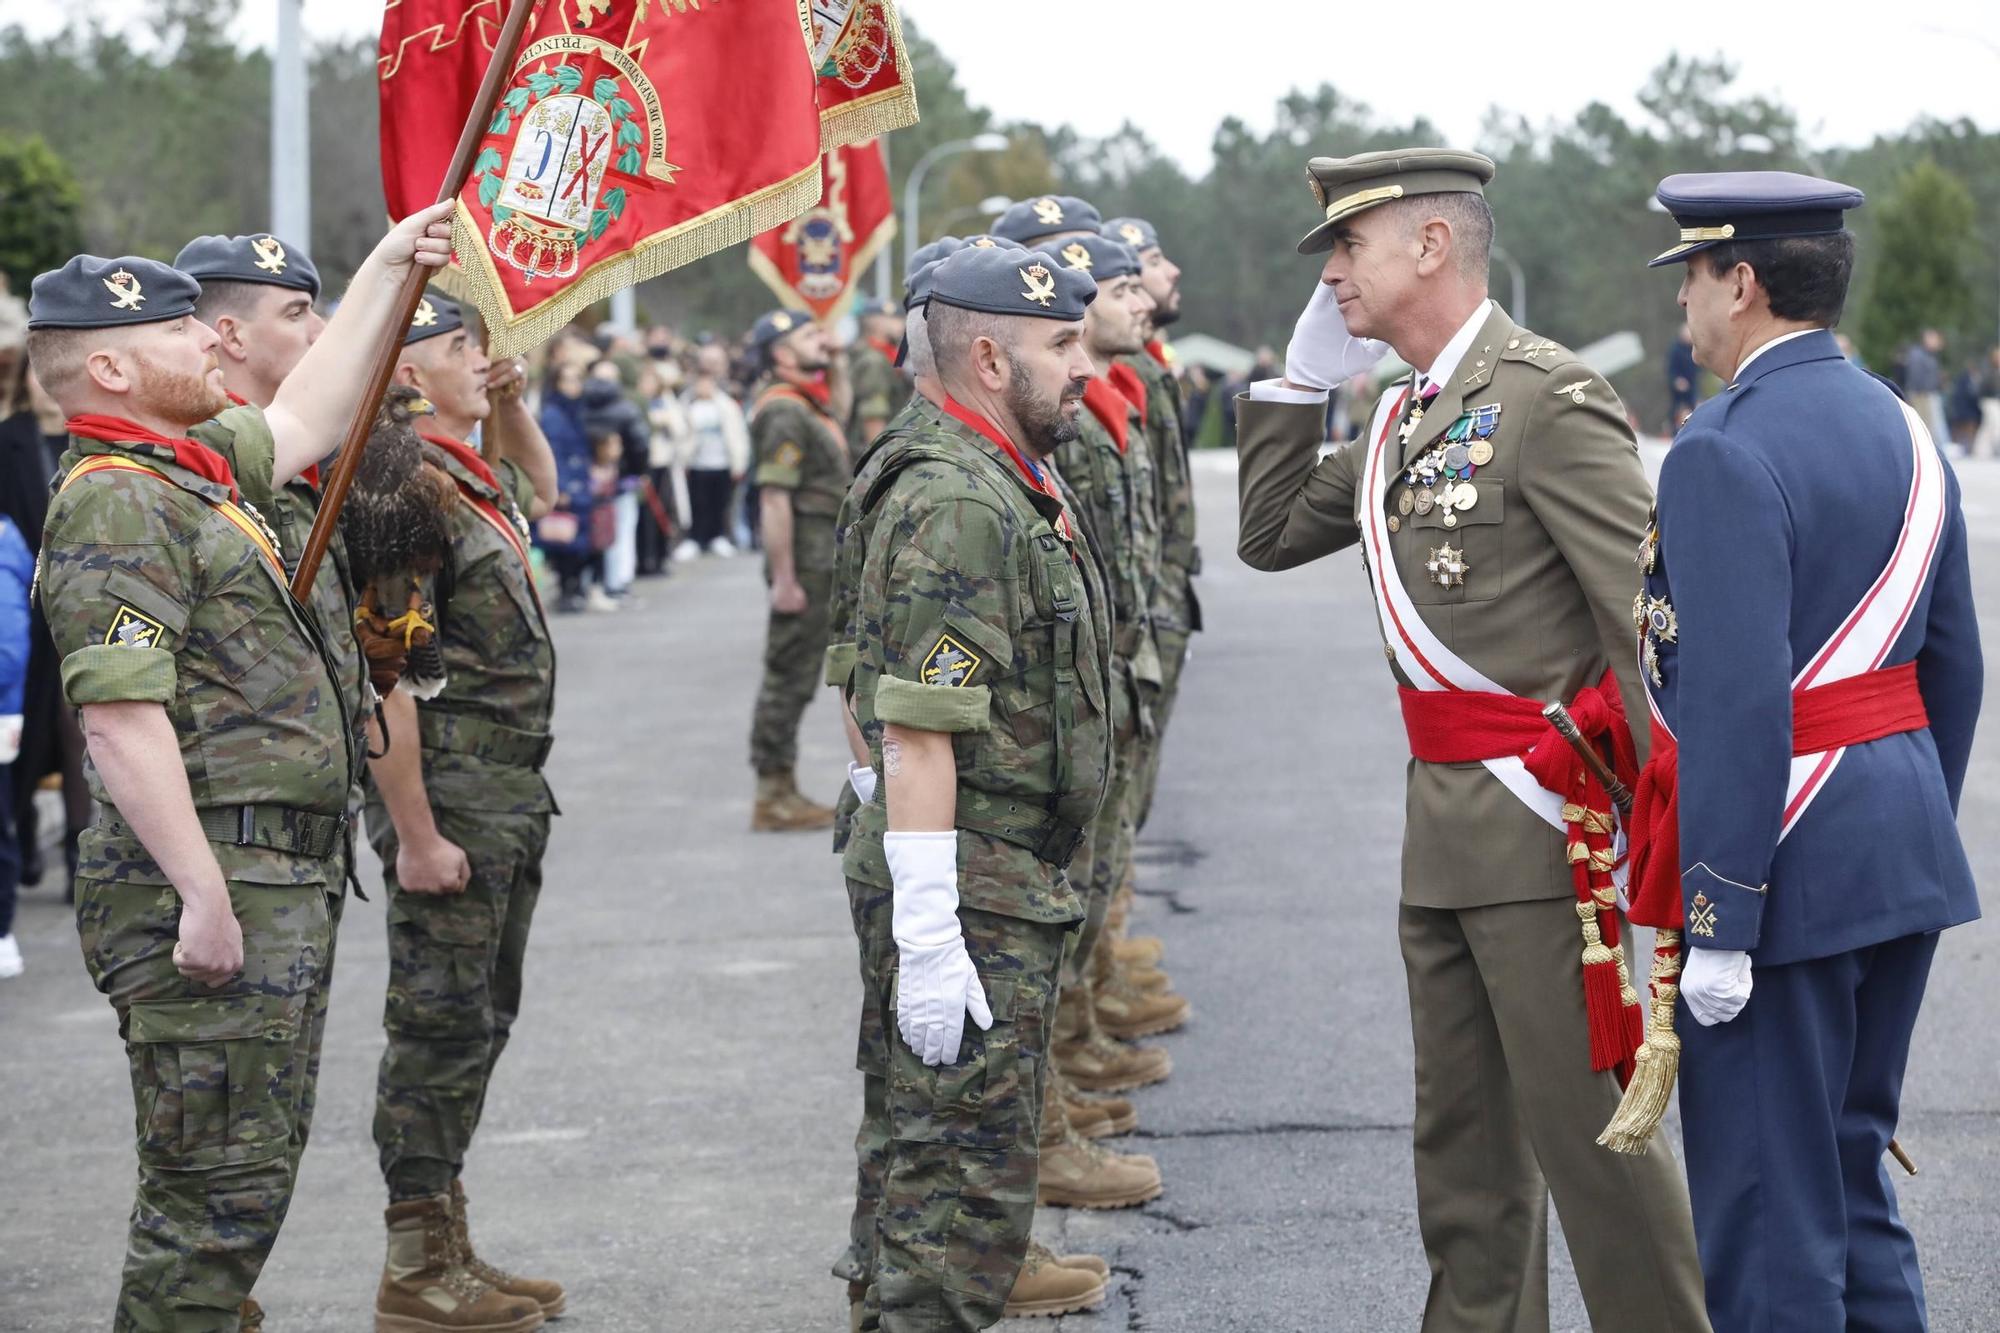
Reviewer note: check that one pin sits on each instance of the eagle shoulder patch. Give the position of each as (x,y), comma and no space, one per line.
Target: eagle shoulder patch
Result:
(950,663)
(133,629)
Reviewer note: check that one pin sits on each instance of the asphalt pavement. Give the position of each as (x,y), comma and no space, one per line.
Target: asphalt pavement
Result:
(669,1132)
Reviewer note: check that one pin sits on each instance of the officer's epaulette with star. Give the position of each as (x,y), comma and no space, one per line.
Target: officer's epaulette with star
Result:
(1534,350)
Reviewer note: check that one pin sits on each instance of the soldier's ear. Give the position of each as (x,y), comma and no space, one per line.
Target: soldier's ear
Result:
(110,368)
(989,362)
(229,337)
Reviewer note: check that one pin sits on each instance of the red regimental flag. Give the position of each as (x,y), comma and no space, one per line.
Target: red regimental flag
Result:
(813,261)
(632,136)
(866,86)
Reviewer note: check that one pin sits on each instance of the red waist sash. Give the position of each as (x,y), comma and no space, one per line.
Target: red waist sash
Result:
(1852,711)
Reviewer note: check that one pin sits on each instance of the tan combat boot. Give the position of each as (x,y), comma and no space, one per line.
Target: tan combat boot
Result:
(1093,1062)
(426,1290)
(1076,1173)
(1094,1117)
(1140,976)
(1045,1288)
(1089,1263)
(1124,1011)
(547,1294)
(250,1316)
(781,809)
(1143,950)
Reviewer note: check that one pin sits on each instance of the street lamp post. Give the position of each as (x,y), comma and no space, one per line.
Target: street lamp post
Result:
(913,188)
(1518,309)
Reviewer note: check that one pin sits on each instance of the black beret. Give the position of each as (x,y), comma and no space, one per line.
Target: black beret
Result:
(769,328)
(925,256)
(1099,256)
(90,292)
(1138,233)
(259,257)
(1013,282)
(1717,206)
(1046,215)
(436,315)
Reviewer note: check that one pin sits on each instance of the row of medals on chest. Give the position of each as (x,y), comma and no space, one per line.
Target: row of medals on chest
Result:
(1441,479)
(1652,616)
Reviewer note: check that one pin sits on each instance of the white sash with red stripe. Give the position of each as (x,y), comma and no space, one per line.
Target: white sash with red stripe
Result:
(1868,633)
(1426,661)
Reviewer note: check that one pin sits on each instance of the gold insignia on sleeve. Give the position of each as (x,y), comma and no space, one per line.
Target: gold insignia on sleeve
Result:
(788,454)
(1574,392)
(950,663)
(426,315)
(133,629)
(1047,211)
(1076,256)
(1041,285)
(270,254)
(1701,916)
(1131,234)
(126,294)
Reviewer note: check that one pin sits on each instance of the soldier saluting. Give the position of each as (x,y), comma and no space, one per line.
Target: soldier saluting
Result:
(1498,497)
(219,744)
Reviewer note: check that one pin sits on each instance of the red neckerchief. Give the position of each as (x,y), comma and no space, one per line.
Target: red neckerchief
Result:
(1037,479)
(815,388)
(193,455)
(311,475)
(1158,351)
(1126,380)
(1111,408)
(464,453)
(884,346)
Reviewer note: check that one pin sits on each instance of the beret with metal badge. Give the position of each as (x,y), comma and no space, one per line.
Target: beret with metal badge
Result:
(1344,186)
(1046,215)
(91,292)
(259,257)
(1713,207)
(1100,256)
(1138,233)
(1013,282)
(925,256)
(436,315)
(769,328)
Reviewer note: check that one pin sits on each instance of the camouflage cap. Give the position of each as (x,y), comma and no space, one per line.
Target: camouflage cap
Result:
(1046,215)
(1344,186)
(436,315)
(1013,282)
(1138,233)
(259,257)
(1099,256)
(90,292)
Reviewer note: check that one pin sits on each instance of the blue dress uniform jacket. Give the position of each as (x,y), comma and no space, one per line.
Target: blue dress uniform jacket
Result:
(1780,502)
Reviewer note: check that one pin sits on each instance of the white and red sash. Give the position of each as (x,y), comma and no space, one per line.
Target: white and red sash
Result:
(1426,661)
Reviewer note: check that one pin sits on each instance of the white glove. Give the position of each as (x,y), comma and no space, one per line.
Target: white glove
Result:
(939,984)
(1716,984)
(1322,352)
(10,737)
(861,777)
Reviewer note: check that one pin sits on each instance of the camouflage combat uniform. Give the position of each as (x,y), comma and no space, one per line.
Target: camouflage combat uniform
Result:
(1115,488)
(1176,612)
(802,450)
(291,512)
(455,960)
(160,589)
(975,618)
(881,391)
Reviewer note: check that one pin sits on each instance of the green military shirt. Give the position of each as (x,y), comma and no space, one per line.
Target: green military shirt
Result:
(880,390)
(486,733)
(1114,487)
(1174,604)
(159,588)
(799,448)
(917,414)
(974,616)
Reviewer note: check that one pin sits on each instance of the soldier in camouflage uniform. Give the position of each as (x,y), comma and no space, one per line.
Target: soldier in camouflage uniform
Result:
(459,812)
(1176,613)
(981,684)
(802,474)
(257,293)
(880,389)
(218,751)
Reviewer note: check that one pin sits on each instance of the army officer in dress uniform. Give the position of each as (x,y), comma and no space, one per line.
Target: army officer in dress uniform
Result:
(1499,497)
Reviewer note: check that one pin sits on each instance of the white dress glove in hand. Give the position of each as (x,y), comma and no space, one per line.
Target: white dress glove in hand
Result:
(861,777)
(938,982)
(10,737)
(1716,984)
(1322,352)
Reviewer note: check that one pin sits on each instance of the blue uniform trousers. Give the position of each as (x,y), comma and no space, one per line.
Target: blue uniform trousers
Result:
(1788,1111)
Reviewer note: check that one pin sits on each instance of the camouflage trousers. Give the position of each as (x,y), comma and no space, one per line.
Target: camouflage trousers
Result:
(1106,853)
(1173,646)
(455,963)
(221,1089)
(794,649)
(947,1155)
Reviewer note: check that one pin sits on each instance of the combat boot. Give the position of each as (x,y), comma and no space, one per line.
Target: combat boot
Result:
(1076,1173)
(781,809)
(250,1316)
(1093,1062)
(1140,976)
(1089,1263)
(1143,950)
(1045,1288)
(1124,1011)
(1094,1117)
(547,1294)
(426,1290)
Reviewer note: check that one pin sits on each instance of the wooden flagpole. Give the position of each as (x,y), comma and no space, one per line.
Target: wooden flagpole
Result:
(341,479)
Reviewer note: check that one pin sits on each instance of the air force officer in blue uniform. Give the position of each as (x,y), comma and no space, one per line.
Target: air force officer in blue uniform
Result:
(1807,536)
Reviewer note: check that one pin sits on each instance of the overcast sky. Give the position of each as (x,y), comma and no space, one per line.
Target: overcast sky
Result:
(1850,70)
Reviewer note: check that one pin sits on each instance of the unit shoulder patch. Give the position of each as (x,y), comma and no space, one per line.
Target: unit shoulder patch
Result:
(132,628)
(950,663)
